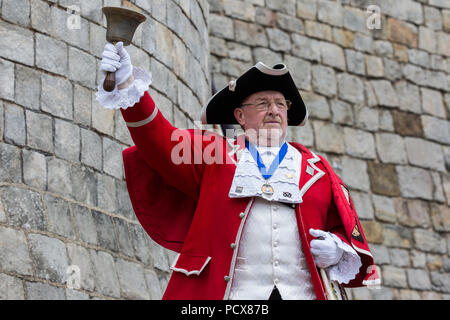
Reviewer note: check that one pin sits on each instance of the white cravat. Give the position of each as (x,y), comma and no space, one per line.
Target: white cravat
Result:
(248,181)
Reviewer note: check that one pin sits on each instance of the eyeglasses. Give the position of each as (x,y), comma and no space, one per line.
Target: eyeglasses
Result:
(264,104)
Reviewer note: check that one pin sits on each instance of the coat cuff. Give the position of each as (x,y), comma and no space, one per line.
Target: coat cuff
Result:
(348,266)
(124,98)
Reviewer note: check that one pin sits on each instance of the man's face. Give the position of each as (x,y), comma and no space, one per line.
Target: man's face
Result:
(269,123)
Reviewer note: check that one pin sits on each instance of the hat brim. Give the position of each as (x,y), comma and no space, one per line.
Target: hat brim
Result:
(220,108)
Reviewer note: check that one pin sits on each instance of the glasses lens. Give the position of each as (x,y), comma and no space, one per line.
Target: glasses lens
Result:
(262,105)
(288,104)
(281,104)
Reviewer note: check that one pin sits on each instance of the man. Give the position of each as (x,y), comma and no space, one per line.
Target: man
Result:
(251,218)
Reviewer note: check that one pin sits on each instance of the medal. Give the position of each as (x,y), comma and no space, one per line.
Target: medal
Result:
(267,189)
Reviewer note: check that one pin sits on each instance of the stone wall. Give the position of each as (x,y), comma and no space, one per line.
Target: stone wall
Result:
(63,198)
(379,106)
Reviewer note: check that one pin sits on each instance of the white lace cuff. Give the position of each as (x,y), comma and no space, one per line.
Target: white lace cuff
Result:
(348,267)
(127,97)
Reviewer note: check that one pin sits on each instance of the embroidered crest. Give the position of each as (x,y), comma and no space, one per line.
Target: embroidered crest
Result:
(356,233)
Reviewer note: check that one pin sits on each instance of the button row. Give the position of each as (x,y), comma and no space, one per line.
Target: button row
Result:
(233,246)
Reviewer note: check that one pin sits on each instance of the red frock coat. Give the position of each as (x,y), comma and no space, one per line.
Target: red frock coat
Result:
(185,207)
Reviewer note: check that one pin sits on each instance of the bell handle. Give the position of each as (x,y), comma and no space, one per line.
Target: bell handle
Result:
(110,80)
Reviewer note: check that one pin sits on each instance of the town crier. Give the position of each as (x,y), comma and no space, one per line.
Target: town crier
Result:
(252,217)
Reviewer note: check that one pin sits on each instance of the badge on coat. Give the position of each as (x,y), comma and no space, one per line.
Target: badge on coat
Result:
(287,194)
(356,233)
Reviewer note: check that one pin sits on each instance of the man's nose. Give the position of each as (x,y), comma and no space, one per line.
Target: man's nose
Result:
(273,109)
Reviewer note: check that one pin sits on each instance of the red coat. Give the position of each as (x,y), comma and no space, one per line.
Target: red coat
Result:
(186,207)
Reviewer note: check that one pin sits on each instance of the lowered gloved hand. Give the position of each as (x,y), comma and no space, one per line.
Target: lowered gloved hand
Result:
(116,59)
(324,249)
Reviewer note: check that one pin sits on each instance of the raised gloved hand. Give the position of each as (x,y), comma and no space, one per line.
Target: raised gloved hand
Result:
(116,59)
(324,249)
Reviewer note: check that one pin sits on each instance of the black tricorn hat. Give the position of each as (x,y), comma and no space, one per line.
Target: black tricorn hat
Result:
(220,108)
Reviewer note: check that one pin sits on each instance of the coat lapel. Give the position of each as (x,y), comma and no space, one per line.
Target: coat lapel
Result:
(310,173)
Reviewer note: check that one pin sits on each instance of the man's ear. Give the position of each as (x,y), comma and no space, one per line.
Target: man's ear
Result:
(239,115)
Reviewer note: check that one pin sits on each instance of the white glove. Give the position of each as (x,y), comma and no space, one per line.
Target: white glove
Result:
(116,59)
(325,250)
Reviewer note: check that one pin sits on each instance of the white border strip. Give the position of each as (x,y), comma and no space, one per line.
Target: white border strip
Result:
(236,249)
(316,177)
(188,273)
(143,122)
(367,253)
(372,282)
(273,72)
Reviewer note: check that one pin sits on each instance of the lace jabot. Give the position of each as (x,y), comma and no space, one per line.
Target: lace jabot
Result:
(248,181)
